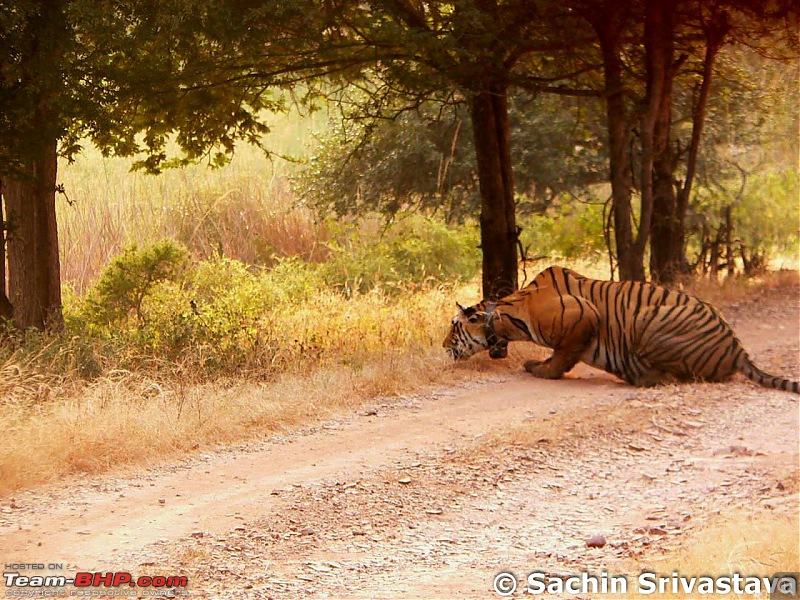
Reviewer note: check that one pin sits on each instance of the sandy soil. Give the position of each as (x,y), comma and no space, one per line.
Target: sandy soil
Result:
(429,496)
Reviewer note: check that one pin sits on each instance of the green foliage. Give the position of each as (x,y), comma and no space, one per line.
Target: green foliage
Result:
(571,230)
(748,158)
(425,158)
(766,219)
(415,250)
(765,216)
(422,158)
(130,278)
(221,316)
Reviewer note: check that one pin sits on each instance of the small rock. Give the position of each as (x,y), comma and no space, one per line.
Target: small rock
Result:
(596,541)
(162,501)
(404,480)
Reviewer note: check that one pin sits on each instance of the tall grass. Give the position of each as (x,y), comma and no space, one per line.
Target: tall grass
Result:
(243,211)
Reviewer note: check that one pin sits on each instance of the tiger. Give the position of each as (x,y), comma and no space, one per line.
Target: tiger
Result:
(643,333)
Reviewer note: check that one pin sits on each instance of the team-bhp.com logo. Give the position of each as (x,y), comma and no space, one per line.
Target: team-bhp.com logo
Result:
(87,580)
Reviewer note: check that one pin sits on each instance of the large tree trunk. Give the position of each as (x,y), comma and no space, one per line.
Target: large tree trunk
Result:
(664,230)
(664,264)
(33,264)
(658,42)
(607,26)
(29,186)
(490,126)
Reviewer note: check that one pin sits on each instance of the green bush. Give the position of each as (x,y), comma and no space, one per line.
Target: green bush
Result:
(130,278)
(151,307)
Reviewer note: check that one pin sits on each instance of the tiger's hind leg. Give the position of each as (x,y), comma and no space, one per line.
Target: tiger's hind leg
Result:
(689,343)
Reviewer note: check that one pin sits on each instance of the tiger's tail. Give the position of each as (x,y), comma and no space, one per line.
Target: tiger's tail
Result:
(752,372)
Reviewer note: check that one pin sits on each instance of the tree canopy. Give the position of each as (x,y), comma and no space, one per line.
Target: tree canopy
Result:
(143,78)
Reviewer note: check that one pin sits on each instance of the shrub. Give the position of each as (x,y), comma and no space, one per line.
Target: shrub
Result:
(129,278)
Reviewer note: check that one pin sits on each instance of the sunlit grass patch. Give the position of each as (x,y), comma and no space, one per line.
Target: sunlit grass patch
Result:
(755,543)
(138,418)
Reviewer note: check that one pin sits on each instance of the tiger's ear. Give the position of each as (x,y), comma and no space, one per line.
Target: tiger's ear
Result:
(461,309)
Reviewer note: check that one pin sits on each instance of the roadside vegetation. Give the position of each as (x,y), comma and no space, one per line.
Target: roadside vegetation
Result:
(208,305)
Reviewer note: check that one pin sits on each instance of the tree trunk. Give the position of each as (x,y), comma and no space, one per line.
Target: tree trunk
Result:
(607,26)
(490,125)
(664,225)
(658,42)
(33,265)
(34,280)
(716,253)
(715,33)
(704,249)
(729,258)
(6,310)
(664,264)
(747,264)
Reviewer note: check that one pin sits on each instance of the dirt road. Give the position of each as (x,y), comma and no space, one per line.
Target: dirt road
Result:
(429,496)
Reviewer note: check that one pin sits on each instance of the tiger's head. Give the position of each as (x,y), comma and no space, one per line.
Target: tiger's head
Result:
(472,331)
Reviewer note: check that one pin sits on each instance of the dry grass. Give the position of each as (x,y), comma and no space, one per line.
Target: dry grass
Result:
(126,418)
(243,211)
(759,543)
(56,425)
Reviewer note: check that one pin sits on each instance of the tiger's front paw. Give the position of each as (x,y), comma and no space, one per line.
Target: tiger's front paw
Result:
(499,350)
